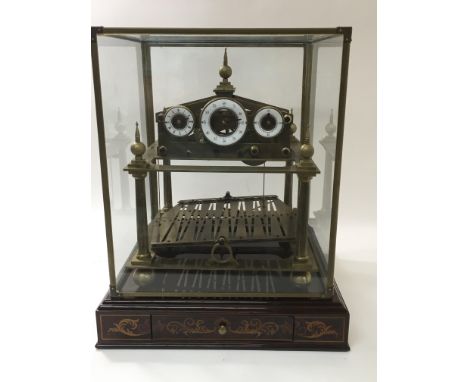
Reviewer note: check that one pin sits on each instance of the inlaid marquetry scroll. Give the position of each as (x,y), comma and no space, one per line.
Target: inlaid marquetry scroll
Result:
(231,328)
(320,329)
(118,327)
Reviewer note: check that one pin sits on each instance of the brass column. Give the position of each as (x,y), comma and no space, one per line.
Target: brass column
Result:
(306,151)
(302,218)
(303,199)
(288,178)
(138,169)
(167,186)
(288,186)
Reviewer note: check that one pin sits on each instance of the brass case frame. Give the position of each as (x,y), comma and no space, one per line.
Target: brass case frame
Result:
(207,37)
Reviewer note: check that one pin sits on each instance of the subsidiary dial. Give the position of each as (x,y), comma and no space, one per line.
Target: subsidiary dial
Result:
(268,122)
(223,121)
(179,121)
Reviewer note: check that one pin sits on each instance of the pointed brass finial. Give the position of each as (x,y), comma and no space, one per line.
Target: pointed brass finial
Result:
(137,133)
(138,148)
(225,71)
(225,88)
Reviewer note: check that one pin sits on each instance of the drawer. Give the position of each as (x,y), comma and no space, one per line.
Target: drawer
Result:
(204,327)
(125,326)
(323,329)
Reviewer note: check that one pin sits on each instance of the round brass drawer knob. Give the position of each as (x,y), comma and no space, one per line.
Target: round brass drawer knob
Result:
(222,330)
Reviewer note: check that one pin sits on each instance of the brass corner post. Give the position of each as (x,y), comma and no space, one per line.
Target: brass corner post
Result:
(306,91)
(138,168)
(339,149)
(306,152)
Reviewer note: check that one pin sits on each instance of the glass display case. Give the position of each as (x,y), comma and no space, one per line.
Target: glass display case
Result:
(220,154)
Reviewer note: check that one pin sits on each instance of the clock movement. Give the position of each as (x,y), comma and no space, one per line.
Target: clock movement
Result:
(228,264)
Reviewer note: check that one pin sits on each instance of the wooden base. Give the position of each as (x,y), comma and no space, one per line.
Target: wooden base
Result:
(280,324)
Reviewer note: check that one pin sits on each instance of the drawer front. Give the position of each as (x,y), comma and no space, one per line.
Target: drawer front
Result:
(202,327)
(324,329)
(125,326)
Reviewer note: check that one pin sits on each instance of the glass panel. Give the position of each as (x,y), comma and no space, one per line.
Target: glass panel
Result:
(232,230)
(272,75)
(202,283)
(226,39)
(122,109)
(323,130)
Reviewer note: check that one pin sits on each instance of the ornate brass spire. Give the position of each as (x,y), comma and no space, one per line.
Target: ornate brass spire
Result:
(225,88)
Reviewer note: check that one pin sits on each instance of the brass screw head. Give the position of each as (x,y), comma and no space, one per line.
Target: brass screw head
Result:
(162,150)
(286,151)
(254,150)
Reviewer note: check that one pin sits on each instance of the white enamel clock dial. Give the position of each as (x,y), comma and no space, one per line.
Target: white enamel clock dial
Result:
(268,122)
(223,121)
(179,121)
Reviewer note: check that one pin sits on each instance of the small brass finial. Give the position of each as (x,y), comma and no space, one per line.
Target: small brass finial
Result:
(225,88)
(137,133)
(138,148)
(330,128)
(225,71)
